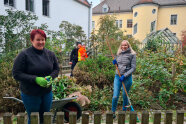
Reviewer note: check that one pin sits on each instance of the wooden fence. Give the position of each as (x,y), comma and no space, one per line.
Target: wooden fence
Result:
(168,119)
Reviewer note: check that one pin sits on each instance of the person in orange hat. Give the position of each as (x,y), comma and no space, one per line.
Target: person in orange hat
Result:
(82,54)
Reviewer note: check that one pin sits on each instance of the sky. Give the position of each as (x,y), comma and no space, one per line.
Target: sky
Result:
(94,2)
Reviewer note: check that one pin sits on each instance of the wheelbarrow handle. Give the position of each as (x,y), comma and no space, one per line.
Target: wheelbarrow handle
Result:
(14,99)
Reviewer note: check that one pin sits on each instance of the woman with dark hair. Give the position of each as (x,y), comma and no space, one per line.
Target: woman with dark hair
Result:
(34,67)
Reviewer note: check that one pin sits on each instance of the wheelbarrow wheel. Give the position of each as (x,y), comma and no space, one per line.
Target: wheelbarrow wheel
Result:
(71,107)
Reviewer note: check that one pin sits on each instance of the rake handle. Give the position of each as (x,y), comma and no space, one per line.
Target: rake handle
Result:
(118,72)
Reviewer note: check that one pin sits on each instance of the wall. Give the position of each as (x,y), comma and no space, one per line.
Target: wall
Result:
(144,19)
(164,17)
(119,16)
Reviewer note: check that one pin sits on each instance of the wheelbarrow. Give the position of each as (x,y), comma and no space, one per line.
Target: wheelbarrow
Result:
(65,105)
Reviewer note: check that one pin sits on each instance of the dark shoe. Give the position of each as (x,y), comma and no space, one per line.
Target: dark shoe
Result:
(114,115)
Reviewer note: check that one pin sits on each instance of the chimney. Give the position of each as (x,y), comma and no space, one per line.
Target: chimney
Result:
(145,1)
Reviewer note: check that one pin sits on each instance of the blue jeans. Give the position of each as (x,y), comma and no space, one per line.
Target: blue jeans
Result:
(116,93)
(39,104)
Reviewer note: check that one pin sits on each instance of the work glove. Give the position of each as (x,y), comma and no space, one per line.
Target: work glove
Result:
(122,78)
(49,80)
(114,62)
(41,81)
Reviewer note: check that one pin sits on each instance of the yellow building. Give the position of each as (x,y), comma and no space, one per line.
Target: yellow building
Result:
(138,18)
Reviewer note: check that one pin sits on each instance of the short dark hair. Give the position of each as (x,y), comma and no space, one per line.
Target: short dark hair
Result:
(78,43)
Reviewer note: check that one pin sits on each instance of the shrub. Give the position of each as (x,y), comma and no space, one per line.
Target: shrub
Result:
(95,72)
(9,87)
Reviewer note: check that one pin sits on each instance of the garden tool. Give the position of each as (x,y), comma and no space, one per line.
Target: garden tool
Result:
(49,80)
(130,105)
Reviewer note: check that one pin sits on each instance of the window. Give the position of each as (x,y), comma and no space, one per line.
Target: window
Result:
(105,8)
(120,23)
(117,23)
(46,7)
(135,14)
(173,19)
(153,11)
(129,23)
(93,24)
(135,28)
(152,26)
(174,34)
(9,2)
(30,5)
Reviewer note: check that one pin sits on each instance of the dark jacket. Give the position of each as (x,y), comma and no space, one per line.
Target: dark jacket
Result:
(126,63)
(32,63)
(74,55)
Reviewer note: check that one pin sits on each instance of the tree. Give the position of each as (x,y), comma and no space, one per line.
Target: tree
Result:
(15,28)
(72,33)
(108,28)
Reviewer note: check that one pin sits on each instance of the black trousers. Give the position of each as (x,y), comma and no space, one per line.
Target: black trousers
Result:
(72,67)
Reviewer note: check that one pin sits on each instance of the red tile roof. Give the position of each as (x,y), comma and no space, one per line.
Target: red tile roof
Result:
(85,2)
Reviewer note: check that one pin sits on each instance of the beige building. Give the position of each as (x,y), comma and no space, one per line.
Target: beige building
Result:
(138,18)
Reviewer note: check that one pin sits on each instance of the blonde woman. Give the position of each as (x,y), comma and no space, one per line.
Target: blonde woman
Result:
(126,61)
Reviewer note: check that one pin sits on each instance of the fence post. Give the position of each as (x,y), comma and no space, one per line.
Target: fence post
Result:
(97,117)
(109,117)
(180,117)
(145,117)
(7,118)
(173,72)
(47,118)
(168,117)
(72,118)
(157,117)
(121,117)
(85,118)
(34,118)
(60,118)
(21,118)
(133,117)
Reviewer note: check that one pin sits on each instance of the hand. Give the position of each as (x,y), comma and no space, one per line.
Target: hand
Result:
(70,63)
(114,62)
(49,80)
(41,81)
(122,78)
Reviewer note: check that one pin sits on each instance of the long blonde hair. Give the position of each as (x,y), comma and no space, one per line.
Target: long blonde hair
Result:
(120,50)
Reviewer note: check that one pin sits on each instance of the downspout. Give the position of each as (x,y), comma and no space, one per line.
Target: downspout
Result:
(89,16)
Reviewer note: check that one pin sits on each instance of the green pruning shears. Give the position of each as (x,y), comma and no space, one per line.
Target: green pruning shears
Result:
(49,80)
